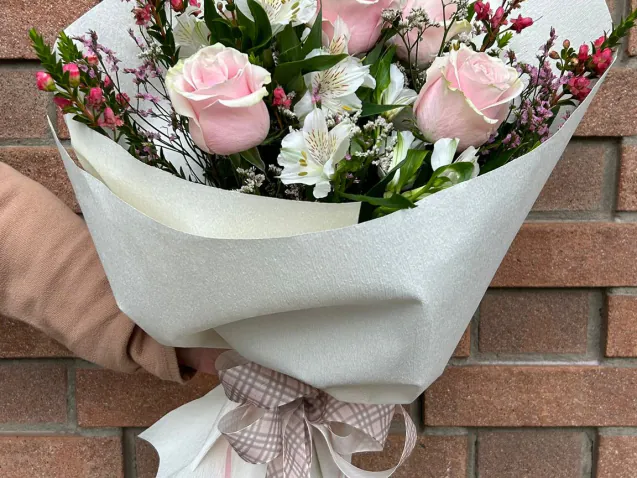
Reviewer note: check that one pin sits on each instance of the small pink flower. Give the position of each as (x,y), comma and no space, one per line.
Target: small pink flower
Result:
(195,3)
(600,42)
(123,99)
(602,60)
(95,97)
(44,81)
(91,59)
(108,83)
(178,5)
(520,23)
(110,120)
(498,19)
(483,11)
(584,53)
(579,87)
(143,15)
(62,102)
(74,73)
(281,98)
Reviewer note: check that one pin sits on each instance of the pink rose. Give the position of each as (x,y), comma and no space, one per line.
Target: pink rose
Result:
(466,96)
(363,17)
(432,37)
(222,94)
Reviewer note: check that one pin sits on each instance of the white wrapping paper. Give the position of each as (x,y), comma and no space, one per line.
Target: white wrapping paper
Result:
(367,312)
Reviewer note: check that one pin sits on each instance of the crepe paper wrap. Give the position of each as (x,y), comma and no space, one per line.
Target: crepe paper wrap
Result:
(276,415)
(367,313)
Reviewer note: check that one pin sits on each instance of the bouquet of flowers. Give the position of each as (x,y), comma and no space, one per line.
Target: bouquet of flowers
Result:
(325,187)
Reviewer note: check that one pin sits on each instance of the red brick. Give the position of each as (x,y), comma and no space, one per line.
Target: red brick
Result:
(614,110)
(146,459)
(18,340)
(525,396)
(543,454)
(617,457)
(621,337)
(61,457)
(109,399)
(534,322)
(463,349)
(23,108)
(44,165)
(577,184)
(433,457)
(632,37)
(627,194)
(18,17)
(32,393)
(571,255)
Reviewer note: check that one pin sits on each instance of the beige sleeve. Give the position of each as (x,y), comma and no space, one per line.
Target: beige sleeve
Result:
(51,278)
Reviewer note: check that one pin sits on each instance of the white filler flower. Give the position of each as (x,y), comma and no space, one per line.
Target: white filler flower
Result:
(310,156)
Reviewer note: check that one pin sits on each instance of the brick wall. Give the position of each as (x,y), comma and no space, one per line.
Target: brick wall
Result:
(544,384)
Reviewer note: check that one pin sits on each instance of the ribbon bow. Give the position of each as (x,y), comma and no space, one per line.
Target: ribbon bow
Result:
(277,415)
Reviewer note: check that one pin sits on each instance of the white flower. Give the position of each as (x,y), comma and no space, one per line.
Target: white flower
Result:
(339,43)
(335,89)
(310,156)
(404,143)
(191,33)
(396,93)
(283,12)
(444,152)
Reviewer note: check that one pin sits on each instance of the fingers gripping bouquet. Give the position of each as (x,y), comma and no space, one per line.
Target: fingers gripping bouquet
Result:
(327,189)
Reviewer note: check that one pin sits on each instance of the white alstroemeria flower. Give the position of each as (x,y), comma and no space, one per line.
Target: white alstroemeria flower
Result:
(339,43)
(310,156)
(283,12)
(396,93)
(191,33)
(444,152)
(405,141)
(335,89)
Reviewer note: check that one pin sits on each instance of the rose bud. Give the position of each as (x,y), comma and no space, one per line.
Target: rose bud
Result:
(566,44)
(95,97)
(74,73)
(554,55)
(178,5)
(108,83)
(61,102)
(92,59)
(583,53)
(44,81)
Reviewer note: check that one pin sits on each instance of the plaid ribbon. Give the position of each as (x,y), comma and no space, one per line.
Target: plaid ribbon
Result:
(273,423)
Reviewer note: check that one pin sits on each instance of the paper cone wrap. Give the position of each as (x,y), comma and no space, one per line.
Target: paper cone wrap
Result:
(369,313)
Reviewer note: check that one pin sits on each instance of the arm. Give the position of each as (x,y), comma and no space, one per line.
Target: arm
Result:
(52,279)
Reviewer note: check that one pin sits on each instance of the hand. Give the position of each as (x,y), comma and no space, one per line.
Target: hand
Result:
(202,360)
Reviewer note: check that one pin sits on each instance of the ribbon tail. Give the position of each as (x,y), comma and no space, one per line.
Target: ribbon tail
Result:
(327,453)
(189,444)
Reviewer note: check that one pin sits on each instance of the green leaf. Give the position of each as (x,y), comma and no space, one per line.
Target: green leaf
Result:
(471,11)
(220,30)
(414,160)
(371,109)
(290,48)
(395,201)
(381,71)
(262,27)
(285,72)
(505,39)
(497,161)
(374,55)
(247,28)
(315,38)
(253,157)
